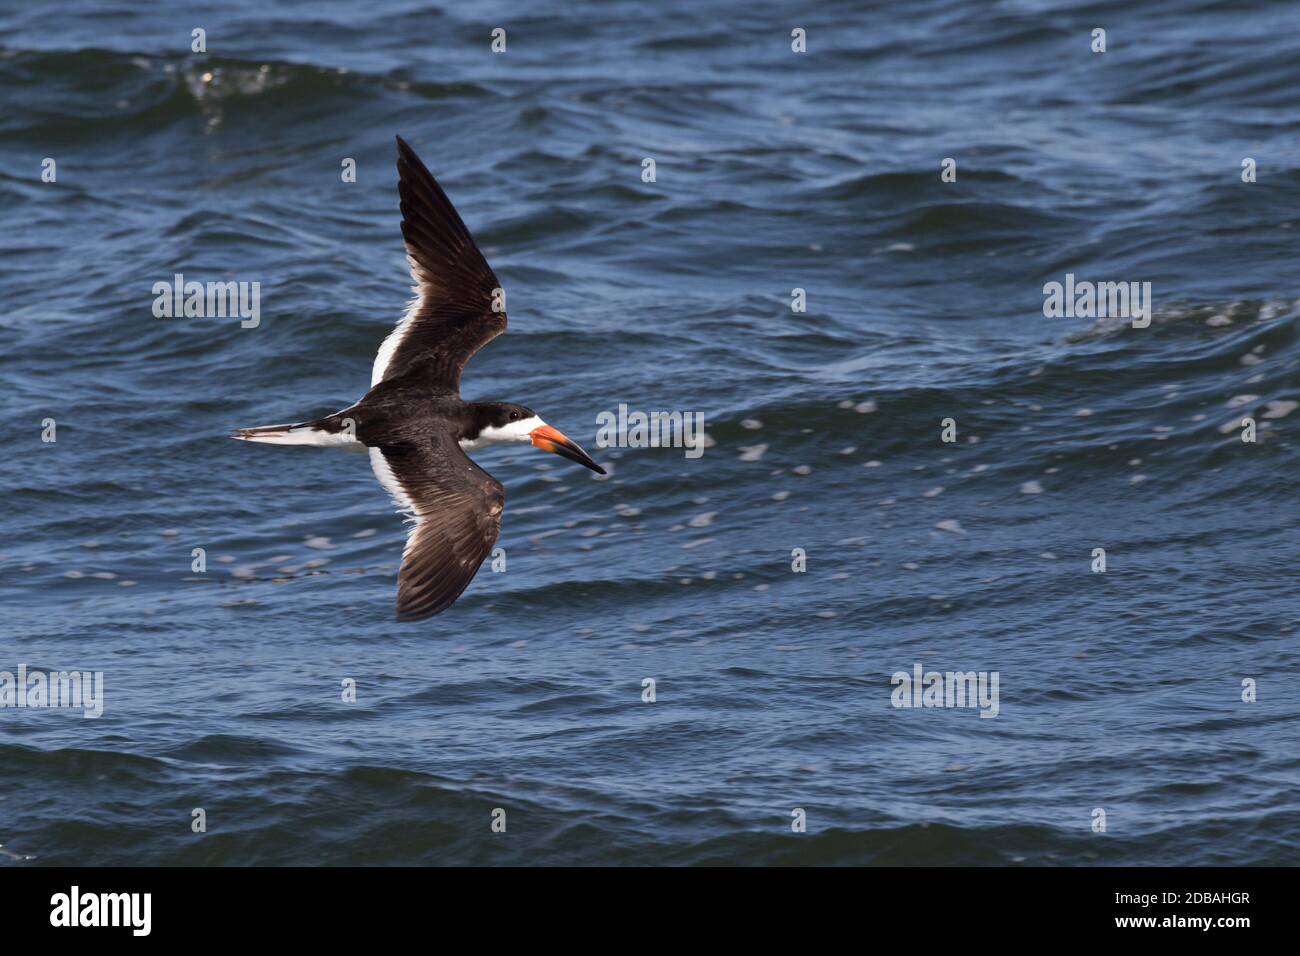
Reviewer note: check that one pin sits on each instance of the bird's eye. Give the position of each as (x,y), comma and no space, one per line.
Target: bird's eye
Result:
(514,415)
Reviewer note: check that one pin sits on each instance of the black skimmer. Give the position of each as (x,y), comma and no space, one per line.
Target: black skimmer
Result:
(413,420)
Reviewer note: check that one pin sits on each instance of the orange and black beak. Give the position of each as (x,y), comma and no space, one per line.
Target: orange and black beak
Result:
(552,439)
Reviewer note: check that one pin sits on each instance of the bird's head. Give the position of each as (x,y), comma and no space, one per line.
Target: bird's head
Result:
(504,422)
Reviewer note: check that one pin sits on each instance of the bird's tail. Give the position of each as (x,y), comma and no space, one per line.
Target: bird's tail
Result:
(303,433)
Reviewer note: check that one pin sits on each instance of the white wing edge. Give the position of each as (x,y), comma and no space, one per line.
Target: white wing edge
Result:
(395,338)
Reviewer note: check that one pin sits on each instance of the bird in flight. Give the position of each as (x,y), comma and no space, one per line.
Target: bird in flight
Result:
(414,422)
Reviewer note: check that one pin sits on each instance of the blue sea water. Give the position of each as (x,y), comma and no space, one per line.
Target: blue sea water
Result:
(1119,691)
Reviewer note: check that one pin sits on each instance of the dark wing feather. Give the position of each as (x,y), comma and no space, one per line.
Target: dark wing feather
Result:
(451,316)
(456,506)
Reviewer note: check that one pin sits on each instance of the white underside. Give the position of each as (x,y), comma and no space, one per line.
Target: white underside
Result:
(288,435)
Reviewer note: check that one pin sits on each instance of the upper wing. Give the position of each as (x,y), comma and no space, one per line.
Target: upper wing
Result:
(456,507)
(451,316)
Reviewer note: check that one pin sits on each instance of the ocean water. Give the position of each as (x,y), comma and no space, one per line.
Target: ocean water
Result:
(1119,692)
